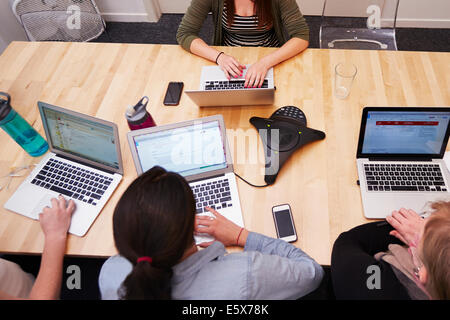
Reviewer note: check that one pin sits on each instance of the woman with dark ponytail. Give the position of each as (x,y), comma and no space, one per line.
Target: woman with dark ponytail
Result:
(154,225)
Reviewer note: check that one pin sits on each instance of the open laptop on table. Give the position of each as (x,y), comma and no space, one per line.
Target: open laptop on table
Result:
(198,150)
(400,158)
(84,164)
(216,90)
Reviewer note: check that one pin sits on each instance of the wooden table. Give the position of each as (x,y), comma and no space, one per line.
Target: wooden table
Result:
(319,181)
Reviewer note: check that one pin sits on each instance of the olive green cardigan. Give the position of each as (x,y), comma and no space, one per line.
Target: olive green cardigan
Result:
(285,14)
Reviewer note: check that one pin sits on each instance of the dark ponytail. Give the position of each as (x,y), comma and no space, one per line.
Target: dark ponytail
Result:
(146,283)
(154,218)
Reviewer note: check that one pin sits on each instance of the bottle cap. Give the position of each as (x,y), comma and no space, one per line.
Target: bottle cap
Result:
(137,112)
(130,111)
(5,106)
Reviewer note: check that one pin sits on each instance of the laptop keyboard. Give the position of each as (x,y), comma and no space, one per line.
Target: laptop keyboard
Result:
(230,85)
(404,177)
(72,181)
(214,194)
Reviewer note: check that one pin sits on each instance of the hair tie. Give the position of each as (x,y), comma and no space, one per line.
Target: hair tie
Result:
(145,259)
(219,56)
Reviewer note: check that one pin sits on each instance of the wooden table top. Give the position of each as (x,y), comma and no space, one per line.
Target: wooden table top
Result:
(318,181)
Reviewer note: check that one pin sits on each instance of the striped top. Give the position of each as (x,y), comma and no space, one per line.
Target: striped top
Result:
(245,32)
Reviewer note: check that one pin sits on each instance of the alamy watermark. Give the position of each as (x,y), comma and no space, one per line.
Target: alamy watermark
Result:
(373,282)
(374,19)
(74,277)
(202,145)
(73,22)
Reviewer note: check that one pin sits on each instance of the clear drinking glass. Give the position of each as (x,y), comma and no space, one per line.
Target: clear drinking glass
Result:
(345,73)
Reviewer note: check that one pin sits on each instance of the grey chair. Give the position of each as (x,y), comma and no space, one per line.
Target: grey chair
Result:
(366,24)
(59,20)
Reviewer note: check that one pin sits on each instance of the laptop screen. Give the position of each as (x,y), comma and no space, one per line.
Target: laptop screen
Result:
(409,132)
(81,137)
(188,150)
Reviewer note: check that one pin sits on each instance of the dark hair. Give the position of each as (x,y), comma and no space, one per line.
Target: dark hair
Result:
(155,217)
(263,10)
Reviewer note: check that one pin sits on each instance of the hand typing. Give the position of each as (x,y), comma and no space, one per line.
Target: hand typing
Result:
(256,74)
(230,66)
(221,229)
(408,226)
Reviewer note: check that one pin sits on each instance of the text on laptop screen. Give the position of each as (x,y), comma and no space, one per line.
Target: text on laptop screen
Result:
(81,137)
(408,132)
(189,150)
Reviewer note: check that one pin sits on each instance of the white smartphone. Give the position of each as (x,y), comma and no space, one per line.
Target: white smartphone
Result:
(284,224)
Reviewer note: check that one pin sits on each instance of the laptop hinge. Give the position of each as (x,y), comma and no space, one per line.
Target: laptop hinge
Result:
(211,177)
(400,159)
(85,164)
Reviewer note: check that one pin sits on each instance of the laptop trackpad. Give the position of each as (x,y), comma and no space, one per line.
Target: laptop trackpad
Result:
(44,202)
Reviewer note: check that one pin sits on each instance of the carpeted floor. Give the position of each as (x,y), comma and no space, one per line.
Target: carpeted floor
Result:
(164,32)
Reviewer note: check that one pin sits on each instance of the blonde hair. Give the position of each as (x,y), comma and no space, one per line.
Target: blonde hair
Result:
(435,253)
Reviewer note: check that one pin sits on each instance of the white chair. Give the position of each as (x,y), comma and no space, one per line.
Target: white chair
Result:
(59,20)
(365,24)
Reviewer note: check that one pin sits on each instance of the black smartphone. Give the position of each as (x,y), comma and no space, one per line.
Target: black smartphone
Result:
(173,93)
(284,223)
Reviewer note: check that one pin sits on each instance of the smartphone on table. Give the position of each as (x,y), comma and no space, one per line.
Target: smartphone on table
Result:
(173,93)
(284,223)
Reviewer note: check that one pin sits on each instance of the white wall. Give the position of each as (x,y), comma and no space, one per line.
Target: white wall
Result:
(174,6)
(123,10)
(424,13)
(308,7)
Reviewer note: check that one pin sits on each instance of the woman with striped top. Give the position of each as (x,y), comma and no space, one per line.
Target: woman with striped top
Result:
(258,23)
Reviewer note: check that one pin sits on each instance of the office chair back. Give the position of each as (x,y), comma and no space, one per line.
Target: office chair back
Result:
(365,24)
(59,20)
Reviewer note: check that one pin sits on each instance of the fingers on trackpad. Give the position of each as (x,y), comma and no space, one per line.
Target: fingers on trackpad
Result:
(46,201)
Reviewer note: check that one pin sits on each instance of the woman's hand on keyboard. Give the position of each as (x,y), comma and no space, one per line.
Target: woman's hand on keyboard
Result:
(222,229)
(408,226)
(55,221)
(256,74)
(230,66)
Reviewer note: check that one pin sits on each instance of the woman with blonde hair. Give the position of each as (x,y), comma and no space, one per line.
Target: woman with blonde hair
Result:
(406,258)
(434,252)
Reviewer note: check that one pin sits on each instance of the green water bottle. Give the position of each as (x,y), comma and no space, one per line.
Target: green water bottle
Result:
(19,129)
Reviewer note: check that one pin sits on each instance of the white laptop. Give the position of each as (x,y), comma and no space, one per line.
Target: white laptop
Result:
(198,150)
(84,164)
(400,159)
(216,90)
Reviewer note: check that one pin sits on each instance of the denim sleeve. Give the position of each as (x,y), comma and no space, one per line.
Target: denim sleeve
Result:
(279,270)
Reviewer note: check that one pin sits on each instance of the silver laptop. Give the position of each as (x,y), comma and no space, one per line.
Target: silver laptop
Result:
(400,159)
(198,150)
(216,90)
(84,164)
